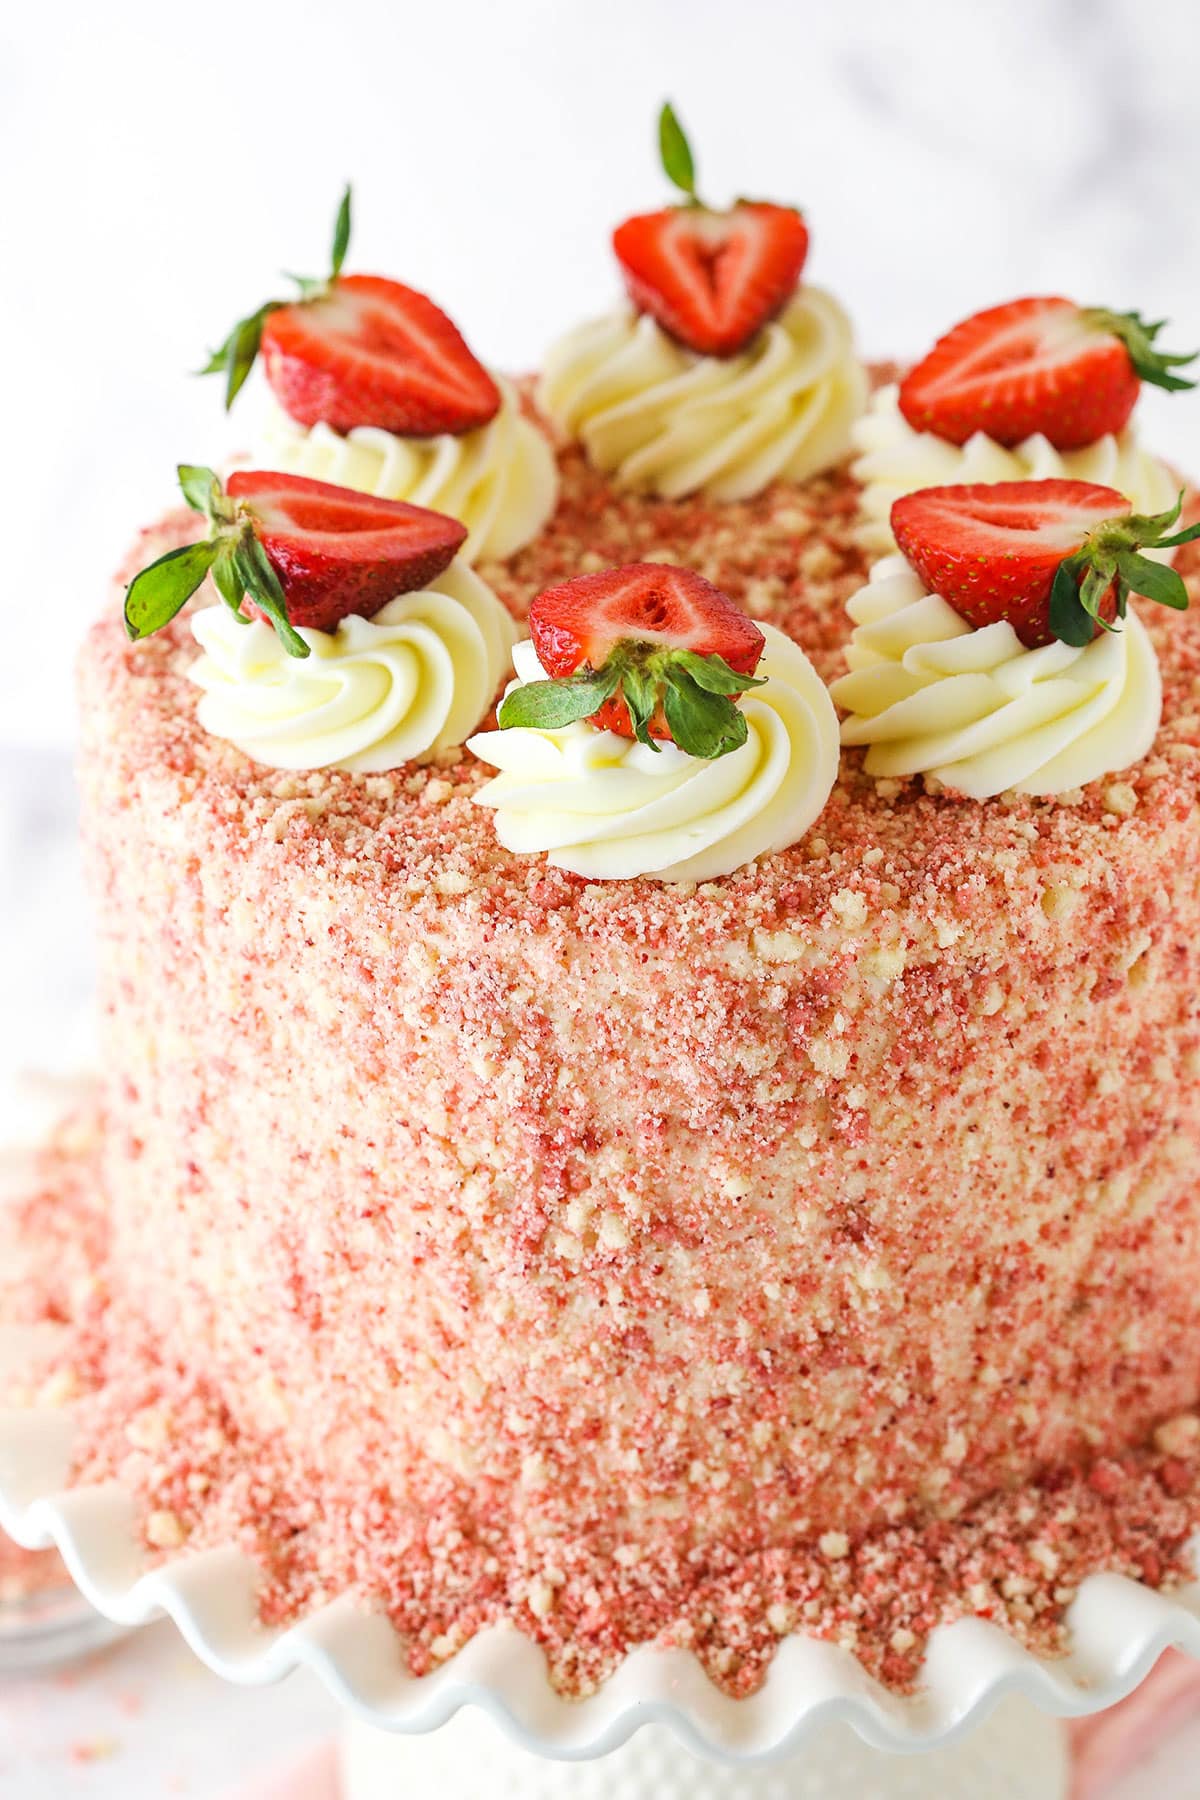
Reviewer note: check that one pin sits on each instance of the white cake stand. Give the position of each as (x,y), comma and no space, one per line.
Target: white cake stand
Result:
(1017,1754)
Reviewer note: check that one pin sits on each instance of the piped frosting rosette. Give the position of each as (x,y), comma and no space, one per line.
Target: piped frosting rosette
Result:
(500,479)
(728,373)
(662,419)
(978,710)
(372,694)
(610,808)
(892,459)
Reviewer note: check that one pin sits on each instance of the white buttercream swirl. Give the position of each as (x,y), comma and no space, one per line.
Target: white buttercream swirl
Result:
(665,421)
(893,459)
(500,480)
(372,695)
(978,710)
(608,807)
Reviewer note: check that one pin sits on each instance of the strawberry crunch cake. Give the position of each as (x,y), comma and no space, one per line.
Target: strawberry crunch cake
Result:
(651,1079)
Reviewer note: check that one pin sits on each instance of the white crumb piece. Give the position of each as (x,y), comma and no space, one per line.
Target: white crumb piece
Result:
(540,1595)
(1174,1437)
(165,1529)
(850,908)
(1120,798)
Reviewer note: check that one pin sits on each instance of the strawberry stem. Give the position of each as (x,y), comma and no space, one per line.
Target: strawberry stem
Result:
(1110,557)
(231,553)
(1138,336)
(679,165)
(695,694)
(236,356)
(341,235)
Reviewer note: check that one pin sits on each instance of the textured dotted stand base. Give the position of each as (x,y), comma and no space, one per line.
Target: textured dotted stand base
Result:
(1017,1754)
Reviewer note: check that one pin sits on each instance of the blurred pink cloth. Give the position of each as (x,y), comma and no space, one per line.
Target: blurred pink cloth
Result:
(313,1776)
(1111,1743)
(1103,1748)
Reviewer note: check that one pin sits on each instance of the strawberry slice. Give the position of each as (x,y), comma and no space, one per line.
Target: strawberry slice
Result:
(295,552)
(338,552)
(371,352)
(361,350)
(1071,373)
(711,279)
(1055,559)
(649,651)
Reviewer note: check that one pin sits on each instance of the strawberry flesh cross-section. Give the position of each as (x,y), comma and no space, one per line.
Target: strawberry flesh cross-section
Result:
(373,352)
(338,552)
(1038,366)
(1053,559)
(712,280)
(298,553)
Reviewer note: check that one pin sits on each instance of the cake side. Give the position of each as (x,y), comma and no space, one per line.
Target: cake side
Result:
(611,1228)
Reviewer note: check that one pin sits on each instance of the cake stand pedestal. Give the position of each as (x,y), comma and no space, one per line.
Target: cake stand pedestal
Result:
(1016,1754)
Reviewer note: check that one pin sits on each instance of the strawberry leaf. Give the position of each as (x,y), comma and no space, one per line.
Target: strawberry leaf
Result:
(154,596)
(1111,551)
(678,163)
(1092,591)
(714,674)
(702,723)
(227,579)
(341,236)
(243,350)
(1155,580)
(200,487)
(695,694)
(1147,528)
(549,705)
(257,575)
(236,356)
(639,690)
(1068,620)
(1138,336)
(231,552)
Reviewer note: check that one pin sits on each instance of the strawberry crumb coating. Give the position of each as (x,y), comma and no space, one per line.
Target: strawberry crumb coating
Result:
(642,1261)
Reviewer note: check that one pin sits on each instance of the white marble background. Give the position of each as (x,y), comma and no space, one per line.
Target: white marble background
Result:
(159,164)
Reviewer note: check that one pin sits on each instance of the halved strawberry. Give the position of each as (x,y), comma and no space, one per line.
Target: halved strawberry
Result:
(1055,559)
(711,279)
(361,350)
(647,650)
(1072,373)
(338,552)
(293,551)
(371,352)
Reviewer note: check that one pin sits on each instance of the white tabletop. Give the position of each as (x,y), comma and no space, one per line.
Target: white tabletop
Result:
(146,1720)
